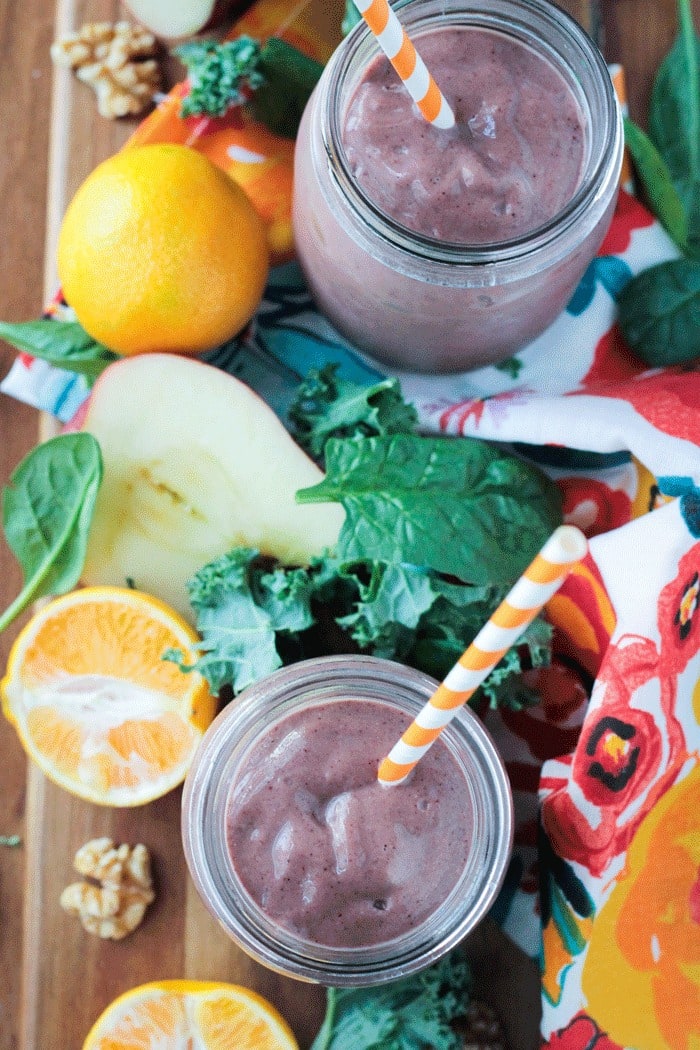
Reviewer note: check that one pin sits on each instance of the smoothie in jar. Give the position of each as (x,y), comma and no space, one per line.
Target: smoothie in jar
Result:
(312,866)
(327,851)
(443,249)
(512,161)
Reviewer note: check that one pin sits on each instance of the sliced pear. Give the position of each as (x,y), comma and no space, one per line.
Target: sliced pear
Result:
(195,464)
(181,18)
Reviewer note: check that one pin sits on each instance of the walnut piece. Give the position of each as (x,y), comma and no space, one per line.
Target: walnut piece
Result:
(115,901)
(118,60)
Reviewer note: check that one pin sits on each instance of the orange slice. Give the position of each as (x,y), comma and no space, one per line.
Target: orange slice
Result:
(95,704)
(177,1015)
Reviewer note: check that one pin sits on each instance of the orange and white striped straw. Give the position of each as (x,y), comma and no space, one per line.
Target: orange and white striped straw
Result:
(565,547)
(401,52)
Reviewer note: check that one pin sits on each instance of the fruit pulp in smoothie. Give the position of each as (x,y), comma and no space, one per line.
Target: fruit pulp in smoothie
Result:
(325,850)
(512,161)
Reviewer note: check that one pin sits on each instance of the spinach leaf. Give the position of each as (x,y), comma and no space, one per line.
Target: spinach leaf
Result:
(47,508)
(659,313)
(674,113)
(64,344)
(657,184)
(325,406)
(460,507)
(289,77)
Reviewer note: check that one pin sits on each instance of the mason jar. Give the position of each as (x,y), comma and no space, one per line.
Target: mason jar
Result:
(410,300)
(222,772)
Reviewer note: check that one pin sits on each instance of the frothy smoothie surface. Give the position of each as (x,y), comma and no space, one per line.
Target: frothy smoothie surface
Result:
(512,161)
(326,851)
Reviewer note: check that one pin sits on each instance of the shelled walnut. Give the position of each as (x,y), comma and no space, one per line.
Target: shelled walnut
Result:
(117,888)
(118,60)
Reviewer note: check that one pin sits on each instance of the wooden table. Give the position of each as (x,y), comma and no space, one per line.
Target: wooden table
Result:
(56,979)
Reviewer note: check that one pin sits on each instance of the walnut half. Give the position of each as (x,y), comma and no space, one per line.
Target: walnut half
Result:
(118,60)
(113,904)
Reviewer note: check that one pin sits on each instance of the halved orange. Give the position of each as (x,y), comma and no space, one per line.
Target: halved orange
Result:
(95,704)
(173,1015)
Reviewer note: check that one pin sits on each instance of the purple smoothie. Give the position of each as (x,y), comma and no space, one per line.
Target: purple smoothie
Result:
(327,852)
(513,160)
(443,250)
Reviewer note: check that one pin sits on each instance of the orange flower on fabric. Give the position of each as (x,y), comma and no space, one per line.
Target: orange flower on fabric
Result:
(641,976)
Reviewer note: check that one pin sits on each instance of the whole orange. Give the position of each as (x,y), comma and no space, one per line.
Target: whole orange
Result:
(160,250)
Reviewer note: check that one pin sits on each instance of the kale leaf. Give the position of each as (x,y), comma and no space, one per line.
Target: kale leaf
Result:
(326,406)
(415,1013)
(274,80)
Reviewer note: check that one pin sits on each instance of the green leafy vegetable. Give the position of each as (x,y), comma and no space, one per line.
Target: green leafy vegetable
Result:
(460,507)
(47,508)
(220,74)
(420,1012)
(273,79)
(325,406)
(395,596)
(659,308)
(674,112)
(289,78)
(351,16)
(659,312)
(64,344)
(660,191)
(239,611)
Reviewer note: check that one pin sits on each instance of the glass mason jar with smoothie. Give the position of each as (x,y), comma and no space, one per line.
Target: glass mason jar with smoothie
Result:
(440,250)
(315,868)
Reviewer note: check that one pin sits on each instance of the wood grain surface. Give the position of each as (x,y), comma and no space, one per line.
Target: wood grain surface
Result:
(57,979)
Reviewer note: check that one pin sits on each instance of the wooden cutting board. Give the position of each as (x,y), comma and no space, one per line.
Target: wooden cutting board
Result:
(68,976)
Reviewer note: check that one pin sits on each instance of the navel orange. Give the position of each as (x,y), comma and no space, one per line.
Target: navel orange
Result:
(172,1015)
(160,250)
(95,704)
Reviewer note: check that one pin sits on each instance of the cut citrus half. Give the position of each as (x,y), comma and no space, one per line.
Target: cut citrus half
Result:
(95,704)
(179,1015)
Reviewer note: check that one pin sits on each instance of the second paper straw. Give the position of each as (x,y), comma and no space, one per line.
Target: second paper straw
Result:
(566,546)
(401,52)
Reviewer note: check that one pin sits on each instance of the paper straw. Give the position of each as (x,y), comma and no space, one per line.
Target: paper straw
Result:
(398,48)
(566,546)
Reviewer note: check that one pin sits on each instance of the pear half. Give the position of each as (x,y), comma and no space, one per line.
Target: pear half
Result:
(195,463)
(174,19)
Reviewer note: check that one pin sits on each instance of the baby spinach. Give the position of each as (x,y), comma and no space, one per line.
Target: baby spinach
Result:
(659,309)
(460,507)
(674,112)
(64,344)
(659,313)
(659,190)
(47,508)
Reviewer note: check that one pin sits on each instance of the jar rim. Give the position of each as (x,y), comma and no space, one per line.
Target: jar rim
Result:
(204,830)
(524,20)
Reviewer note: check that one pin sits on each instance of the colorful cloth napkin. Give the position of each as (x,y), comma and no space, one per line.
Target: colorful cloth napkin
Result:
(604,885)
